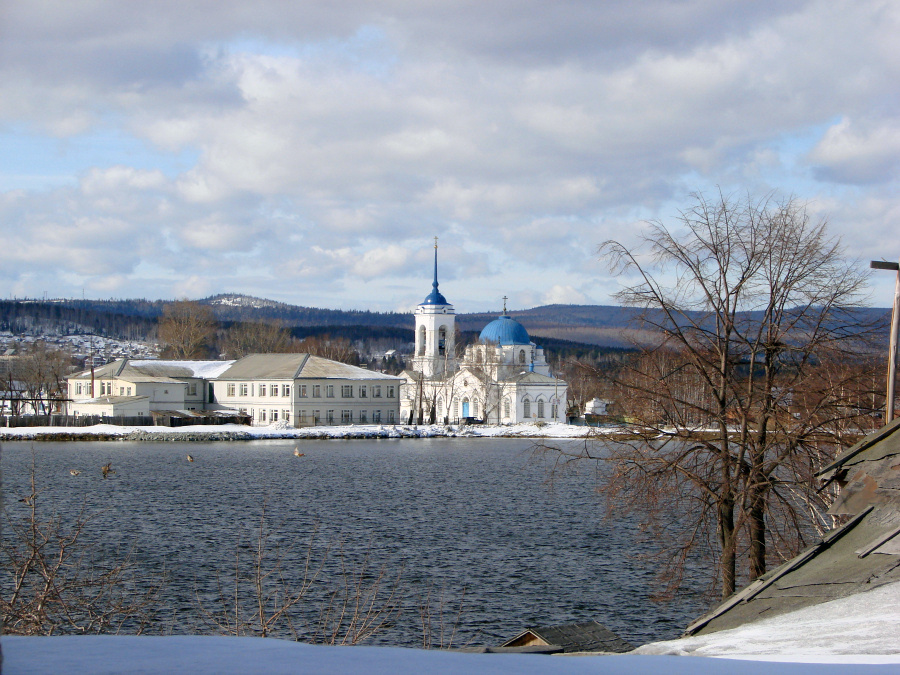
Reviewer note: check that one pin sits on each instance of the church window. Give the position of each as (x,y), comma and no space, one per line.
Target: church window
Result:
(521,355)
(421,341)
(541,409)
(526,408)
(442,341)
(554,411)
(506,407)
(456,409)
(475,407)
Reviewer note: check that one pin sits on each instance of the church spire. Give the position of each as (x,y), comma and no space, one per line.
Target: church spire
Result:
(435,297)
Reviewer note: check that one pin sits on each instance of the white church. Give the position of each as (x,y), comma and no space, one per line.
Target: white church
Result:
(502,379)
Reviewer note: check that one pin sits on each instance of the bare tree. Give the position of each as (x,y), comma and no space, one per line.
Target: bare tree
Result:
(52,584)
(187,329)
(255,338)
(336,349)
(749,299)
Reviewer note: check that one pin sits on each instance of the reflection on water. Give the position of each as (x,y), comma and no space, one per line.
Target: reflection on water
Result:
(463,515)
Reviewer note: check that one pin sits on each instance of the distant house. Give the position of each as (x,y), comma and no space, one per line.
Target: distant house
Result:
(139,387)
(858,556)
(305,390)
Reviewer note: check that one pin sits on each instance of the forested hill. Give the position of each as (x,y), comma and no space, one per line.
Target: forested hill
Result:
(602,325)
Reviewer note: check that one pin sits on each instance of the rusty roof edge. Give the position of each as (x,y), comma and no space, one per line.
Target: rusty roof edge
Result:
(860,446)
(759,585)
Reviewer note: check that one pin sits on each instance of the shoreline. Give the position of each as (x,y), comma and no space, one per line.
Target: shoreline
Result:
(235,432)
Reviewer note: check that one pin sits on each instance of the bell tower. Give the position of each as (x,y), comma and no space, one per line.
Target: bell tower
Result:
(435,353)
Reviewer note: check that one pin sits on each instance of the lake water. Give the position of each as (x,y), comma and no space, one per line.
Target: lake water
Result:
(461,516)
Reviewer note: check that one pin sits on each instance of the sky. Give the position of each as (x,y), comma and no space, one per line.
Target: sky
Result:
(309,152)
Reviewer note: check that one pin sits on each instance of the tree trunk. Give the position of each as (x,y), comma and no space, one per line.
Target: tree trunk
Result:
(757,517)
(727,562)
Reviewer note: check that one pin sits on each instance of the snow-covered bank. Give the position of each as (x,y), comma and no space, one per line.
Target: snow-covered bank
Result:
(235,432)
(102,655)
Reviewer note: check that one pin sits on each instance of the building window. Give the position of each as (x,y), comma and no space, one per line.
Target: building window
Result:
(440,407)
(317,391)
(285,391)
(192,389)
(78,387)
(376,417)
(376,391)
(474,407)
(390,391)
(244,389)
(362,391)
(128,391)
(329,417)
(506,407)
(541,408)
(231,388)
(262,415)
(274,415)
(329,391)
(286,415)
(346,417)
(302,391)
(390,416)
(317,416)
(262,390)
(421,350)
(442,341)
(302,417)
(346,391)
(363,417)
(456,410)
(526,408)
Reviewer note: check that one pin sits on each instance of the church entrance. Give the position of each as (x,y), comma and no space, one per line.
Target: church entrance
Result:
(465,407)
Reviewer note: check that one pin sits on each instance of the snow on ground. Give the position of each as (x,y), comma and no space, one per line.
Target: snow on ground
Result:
(862,625)
(240,432)
(108,655)
(859,634)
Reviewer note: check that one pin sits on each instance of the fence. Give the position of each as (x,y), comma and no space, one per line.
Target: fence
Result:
(119,420)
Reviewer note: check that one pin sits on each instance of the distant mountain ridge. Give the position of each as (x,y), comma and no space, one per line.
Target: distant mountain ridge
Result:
(601,325)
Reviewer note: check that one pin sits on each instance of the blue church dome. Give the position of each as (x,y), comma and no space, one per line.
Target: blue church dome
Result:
(505,331)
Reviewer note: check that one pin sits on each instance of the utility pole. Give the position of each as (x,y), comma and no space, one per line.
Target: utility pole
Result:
(892,348)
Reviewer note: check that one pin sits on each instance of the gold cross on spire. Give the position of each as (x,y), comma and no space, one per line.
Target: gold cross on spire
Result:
(504,304)
(435,242)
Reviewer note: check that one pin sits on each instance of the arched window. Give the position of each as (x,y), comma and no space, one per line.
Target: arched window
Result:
(506,407)
(477,354)
(421,340)
(442,341)
(440,405)
(526,409)
(541,408)
(521,355)
(474,407)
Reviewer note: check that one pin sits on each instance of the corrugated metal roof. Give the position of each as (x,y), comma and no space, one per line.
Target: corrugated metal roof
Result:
(587,636)
(297,366)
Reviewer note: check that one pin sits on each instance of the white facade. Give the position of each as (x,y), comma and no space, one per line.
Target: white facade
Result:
(503,379)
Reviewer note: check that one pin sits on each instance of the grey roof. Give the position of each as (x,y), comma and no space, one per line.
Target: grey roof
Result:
(154,370)
(107,400)
(531,377)
(588,636)
(858,556)
(297,366)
